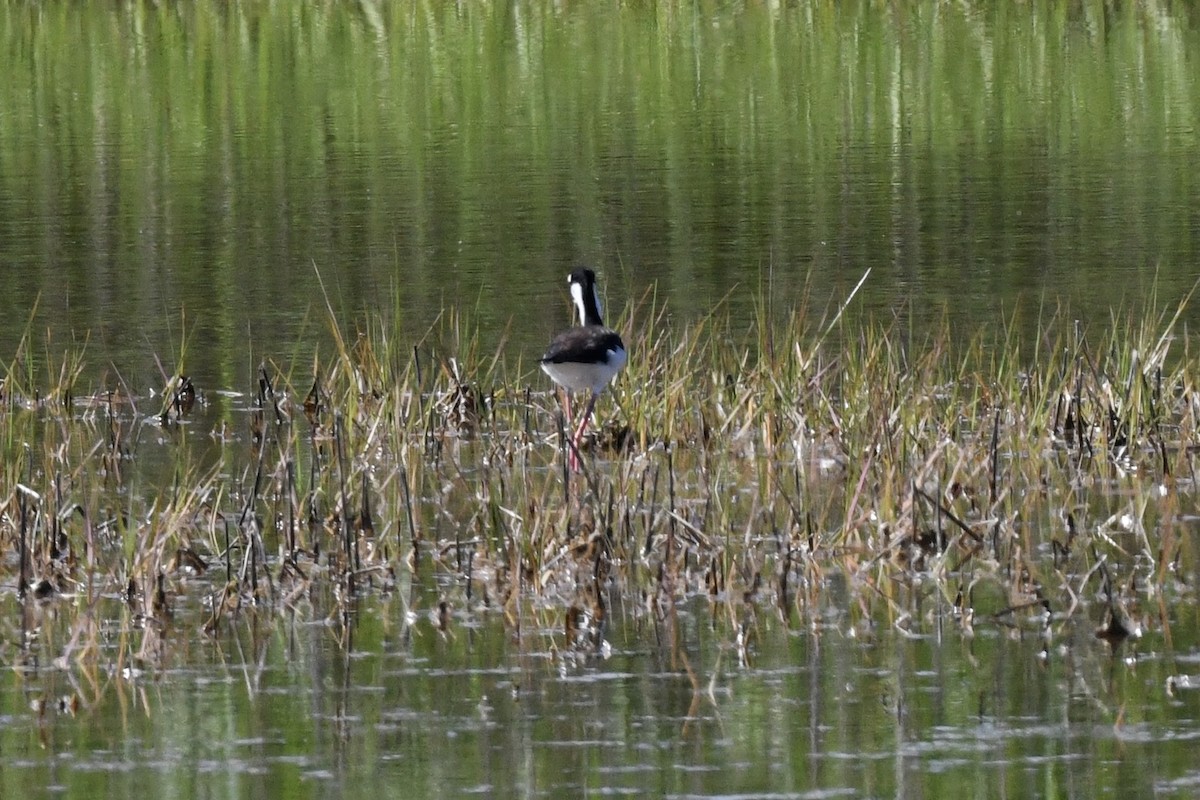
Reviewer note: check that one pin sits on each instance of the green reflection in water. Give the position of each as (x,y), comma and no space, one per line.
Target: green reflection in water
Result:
(294,709)
(213,158)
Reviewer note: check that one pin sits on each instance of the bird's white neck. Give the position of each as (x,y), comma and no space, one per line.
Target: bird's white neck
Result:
(581,304)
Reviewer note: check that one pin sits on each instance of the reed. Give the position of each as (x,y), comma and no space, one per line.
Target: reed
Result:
(1041,483)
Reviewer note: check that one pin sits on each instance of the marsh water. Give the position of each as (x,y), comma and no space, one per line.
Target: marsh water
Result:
(207,182)
(308,710)
(207,187)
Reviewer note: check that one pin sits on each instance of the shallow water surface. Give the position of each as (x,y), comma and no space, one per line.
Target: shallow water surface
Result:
(376,707)
(203,185)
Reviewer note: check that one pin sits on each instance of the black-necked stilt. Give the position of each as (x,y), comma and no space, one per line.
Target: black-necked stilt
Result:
(584,357)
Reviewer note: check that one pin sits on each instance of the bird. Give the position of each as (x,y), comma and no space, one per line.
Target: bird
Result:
(587,356)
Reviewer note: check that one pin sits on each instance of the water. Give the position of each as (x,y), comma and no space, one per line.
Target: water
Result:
(202,188)
(203,185)
(841,708)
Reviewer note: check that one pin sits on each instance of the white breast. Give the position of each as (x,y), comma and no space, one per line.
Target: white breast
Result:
(578,376)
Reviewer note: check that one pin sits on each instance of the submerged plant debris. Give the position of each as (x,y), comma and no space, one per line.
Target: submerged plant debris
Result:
(1046,486)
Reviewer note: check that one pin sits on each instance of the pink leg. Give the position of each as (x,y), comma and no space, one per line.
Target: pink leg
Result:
(577,439)
(572,451)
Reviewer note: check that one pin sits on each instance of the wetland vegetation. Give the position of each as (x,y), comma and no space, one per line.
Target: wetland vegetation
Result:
(1044,489)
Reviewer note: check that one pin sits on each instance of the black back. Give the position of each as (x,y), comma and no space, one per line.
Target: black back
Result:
(584,345)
